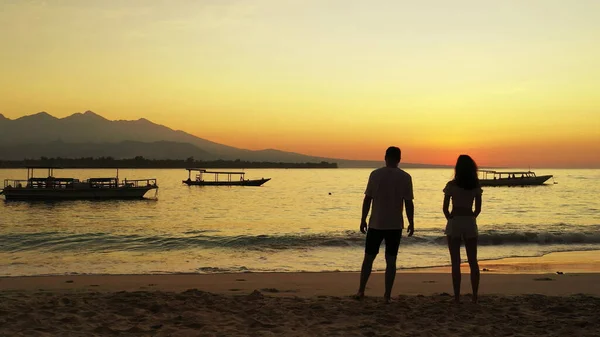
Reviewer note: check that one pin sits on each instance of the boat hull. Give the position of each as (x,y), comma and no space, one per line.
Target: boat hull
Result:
(526,181)
(256,182)
(121,193)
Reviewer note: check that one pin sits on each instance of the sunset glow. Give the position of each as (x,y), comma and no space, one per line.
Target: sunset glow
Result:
(514,83)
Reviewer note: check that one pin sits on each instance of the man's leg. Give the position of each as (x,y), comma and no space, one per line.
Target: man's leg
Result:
(392,243)
(365,272)
(372,243)
(390,275)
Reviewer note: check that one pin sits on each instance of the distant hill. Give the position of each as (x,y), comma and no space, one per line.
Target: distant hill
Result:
(141,162)
(91,135)
(89,127)
(120,150)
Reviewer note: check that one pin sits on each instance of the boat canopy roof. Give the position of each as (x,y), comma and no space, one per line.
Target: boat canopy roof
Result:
(506,172)
(101,179)
(42,167)
(215,172)
(53,179)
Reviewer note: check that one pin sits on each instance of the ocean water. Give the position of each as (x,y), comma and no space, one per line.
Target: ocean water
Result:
(301,220)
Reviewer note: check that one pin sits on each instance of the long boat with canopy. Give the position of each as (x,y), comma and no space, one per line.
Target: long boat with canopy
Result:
(512,178)
(53,188)
(221,178)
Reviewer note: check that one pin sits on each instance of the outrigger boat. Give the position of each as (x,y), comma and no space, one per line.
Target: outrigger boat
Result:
(517,178)
(51,188)
(227,179)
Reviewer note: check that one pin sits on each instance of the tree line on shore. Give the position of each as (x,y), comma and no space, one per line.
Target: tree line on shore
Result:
(141,162)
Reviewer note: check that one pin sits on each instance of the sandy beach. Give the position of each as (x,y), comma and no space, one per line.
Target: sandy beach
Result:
(298,304)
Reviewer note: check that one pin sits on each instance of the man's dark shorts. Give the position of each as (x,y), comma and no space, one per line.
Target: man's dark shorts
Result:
(375,236)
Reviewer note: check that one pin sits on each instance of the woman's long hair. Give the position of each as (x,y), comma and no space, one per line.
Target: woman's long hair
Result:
(465,173)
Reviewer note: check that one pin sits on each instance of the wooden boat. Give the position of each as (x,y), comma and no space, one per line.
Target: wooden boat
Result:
(51,188)
(516,178)
(221,179)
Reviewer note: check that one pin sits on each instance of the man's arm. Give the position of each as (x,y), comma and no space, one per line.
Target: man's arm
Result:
(365,211)
(410,207)
(410,214)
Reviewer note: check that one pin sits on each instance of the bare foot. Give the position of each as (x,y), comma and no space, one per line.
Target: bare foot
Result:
(474,299)
(388,298)
(359,296)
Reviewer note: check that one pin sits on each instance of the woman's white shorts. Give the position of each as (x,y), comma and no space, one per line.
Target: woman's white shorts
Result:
(462,227)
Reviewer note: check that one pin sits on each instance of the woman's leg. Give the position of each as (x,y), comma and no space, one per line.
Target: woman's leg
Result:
(454,248)
(471,248)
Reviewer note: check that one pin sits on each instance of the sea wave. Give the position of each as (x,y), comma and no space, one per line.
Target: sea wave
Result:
(62,241)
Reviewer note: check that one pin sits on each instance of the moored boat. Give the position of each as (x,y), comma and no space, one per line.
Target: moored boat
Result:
(221,178)
(516,178)
(52,188)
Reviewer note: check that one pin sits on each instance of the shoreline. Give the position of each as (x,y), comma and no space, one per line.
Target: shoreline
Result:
(577,261)
(586,261)
(563,272)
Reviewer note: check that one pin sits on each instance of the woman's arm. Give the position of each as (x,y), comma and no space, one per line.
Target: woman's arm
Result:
(477,205)
(446,206)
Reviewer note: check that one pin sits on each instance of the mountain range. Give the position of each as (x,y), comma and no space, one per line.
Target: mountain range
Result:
(91,135)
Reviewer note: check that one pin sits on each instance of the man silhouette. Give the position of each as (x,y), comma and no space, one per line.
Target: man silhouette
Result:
(389,188)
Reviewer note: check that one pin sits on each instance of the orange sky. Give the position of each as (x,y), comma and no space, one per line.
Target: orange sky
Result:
(514,83)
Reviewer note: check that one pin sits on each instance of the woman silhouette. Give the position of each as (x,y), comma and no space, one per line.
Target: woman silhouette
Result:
(462,225)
